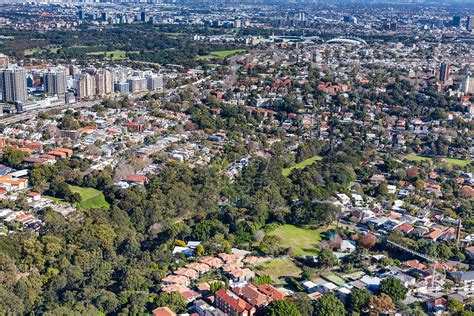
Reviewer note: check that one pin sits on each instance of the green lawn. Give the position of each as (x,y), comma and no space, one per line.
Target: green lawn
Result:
(91,198)
(221,54)
(227,53)
(115,55)
(38,50)
(457,162)
(279,268)
(413,157)
(450,161)
(302,240)
(286,172)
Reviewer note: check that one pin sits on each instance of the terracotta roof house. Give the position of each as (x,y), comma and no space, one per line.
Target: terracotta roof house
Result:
(212,262)
(231,304)
(252,295)
(434,235)
(175,279)
(190,273)
(414,264)
(199,267)
(163,311)
(241,275)
(271,291)
(136,178)
(230,258)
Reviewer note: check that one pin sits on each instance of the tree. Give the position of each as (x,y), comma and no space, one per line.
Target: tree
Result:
(455,307)
(200,250)
(329,305)
(215,286)
(359,299)
(367,241)
(392,287)
(326,258)
(282,308)
(174,300)
(14,157)
(304,303)
(381,304)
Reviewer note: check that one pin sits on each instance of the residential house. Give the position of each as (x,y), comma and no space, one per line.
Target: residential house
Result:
(231,304)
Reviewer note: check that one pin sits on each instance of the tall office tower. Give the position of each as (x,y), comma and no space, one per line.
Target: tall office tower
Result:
(122,87)
(137,84)
(456,22)
(55,82)
(104,16)
(470,23)
(237,23)
(444,72)
(104,82)
(85,86)
(143,16)
(467,85)
(13,84)
(3,61)
(302,16)
(81,14)
(154,82)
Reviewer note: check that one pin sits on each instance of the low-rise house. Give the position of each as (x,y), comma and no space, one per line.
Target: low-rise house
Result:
(437,305)
(405,279)
(189,273)
(204,309)
(213,262)
(252,295)
(231,304)
(199,267)
(176,279)
(348,246)
(242,275)
(271,291)
(163,311)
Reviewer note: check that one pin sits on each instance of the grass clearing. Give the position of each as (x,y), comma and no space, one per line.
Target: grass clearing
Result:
(280,268)
(302,240)
(457,162)
(114,55)
(227,53)
(286,171)
(38,50)
(450,161)
(91,198)
(221,54)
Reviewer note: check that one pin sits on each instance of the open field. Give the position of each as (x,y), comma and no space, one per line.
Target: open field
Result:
(303,241)
(91,198)
(221,54)
(279,268)
(450,161)
(52,49)
(227,53)
(286,172)
(115,55)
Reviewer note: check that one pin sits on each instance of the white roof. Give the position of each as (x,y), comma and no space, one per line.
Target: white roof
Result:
(309,284)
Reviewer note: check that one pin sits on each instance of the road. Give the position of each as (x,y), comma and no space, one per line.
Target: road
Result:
(29,115)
